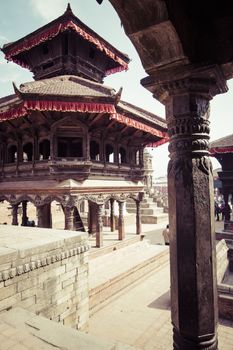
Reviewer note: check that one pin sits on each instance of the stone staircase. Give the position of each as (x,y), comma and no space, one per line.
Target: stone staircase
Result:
(151,213)
(115,271)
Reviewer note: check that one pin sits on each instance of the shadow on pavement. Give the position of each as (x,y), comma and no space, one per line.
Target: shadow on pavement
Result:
(163,302)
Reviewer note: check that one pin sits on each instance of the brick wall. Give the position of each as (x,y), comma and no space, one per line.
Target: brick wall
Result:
(46,272)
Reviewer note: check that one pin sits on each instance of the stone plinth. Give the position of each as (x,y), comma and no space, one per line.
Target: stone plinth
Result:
(45,271)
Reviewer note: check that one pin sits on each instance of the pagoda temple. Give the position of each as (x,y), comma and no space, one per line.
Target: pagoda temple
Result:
(65,136)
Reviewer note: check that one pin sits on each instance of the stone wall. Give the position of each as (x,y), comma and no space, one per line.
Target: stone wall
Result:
(225,291)
(45,271)
(222,260)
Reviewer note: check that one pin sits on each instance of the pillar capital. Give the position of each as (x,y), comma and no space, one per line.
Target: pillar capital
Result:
(206,81)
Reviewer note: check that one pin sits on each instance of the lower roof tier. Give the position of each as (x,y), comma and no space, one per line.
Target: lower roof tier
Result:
(48,101)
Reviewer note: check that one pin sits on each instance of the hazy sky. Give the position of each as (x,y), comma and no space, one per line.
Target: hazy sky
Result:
(20,17)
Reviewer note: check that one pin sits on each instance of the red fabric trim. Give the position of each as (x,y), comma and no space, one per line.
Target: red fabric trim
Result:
(13,113)
(158,143)
(54,31)
(220,150)
(62,106)
(137,125)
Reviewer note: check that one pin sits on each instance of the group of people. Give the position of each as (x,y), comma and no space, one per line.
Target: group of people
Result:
(222,211)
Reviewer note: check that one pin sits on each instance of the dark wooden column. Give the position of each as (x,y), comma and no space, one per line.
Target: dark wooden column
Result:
(39,210)
(15,214)
(69,218)
(87,151)
(138,218)
(112,215)
(99,226)
(121,223)
(35,147)
(19,150)
(191,213)
(53,145)
(24,213)
(141,157)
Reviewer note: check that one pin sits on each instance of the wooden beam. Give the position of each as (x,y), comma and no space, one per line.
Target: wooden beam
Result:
(11,124)
(97,118)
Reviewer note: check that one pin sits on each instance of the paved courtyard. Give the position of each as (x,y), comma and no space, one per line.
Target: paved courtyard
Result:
(140,316)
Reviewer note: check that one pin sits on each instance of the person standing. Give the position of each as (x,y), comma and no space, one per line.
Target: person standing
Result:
(166,235)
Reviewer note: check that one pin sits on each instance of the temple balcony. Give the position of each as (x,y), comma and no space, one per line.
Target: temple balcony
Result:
(81,168)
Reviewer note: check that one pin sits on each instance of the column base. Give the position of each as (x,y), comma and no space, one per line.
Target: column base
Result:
(208,342)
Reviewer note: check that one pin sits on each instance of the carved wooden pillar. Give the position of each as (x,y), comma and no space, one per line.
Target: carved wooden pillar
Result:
(112,215)
(40,213)
(35,147)
(99,226)
(69,218)
(138,218)
(53,145)
(121,223)
(15,214)
(141,157)
(191,213)
(87,153)
(24,213)
(19,150)
(102,149)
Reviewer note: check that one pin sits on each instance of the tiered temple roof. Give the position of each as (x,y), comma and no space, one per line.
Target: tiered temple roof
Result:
(222,145)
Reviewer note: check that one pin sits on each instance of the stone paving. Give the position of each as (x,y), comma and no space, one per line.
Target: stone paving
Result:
(23,330)
(140,316)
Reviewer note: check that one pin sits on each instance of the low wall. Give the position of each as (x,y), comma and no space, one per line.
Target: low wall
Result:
(46,272)
(225,291)
(222,260)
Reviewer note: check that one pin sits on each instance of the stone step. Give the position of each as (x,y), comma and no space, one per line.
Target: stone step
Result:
(133,205)
(94,253)
(147,211)
(116,271)
(154,219)
(143,205)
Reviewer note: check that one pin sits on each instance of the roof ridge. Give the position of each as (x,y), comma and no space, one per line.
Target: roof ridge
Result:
(143,110)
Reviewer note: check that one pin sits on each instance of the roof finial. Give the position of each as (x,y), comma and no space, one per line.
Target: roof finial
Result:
(17,91)
(99,1)
(118,96)
(68,9)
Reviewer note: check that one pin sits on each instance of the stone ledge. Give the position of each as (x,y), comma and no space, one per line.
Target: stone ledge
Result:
(41,333)
(48,246)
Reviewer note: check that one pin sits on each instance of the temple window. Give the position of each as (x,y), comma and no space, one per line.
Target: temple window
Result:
(27,152)
(94,150)
(70,147)
(109,152)
(44,150)
(12,154)
(45,49)
(122,155)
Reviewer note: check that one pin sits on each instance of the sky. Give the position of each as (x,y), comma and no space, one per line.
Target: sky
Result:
(21,17)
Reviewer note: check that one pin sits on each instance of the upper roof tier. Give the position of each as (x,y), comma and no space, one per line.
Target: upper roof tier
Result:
(66,46)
